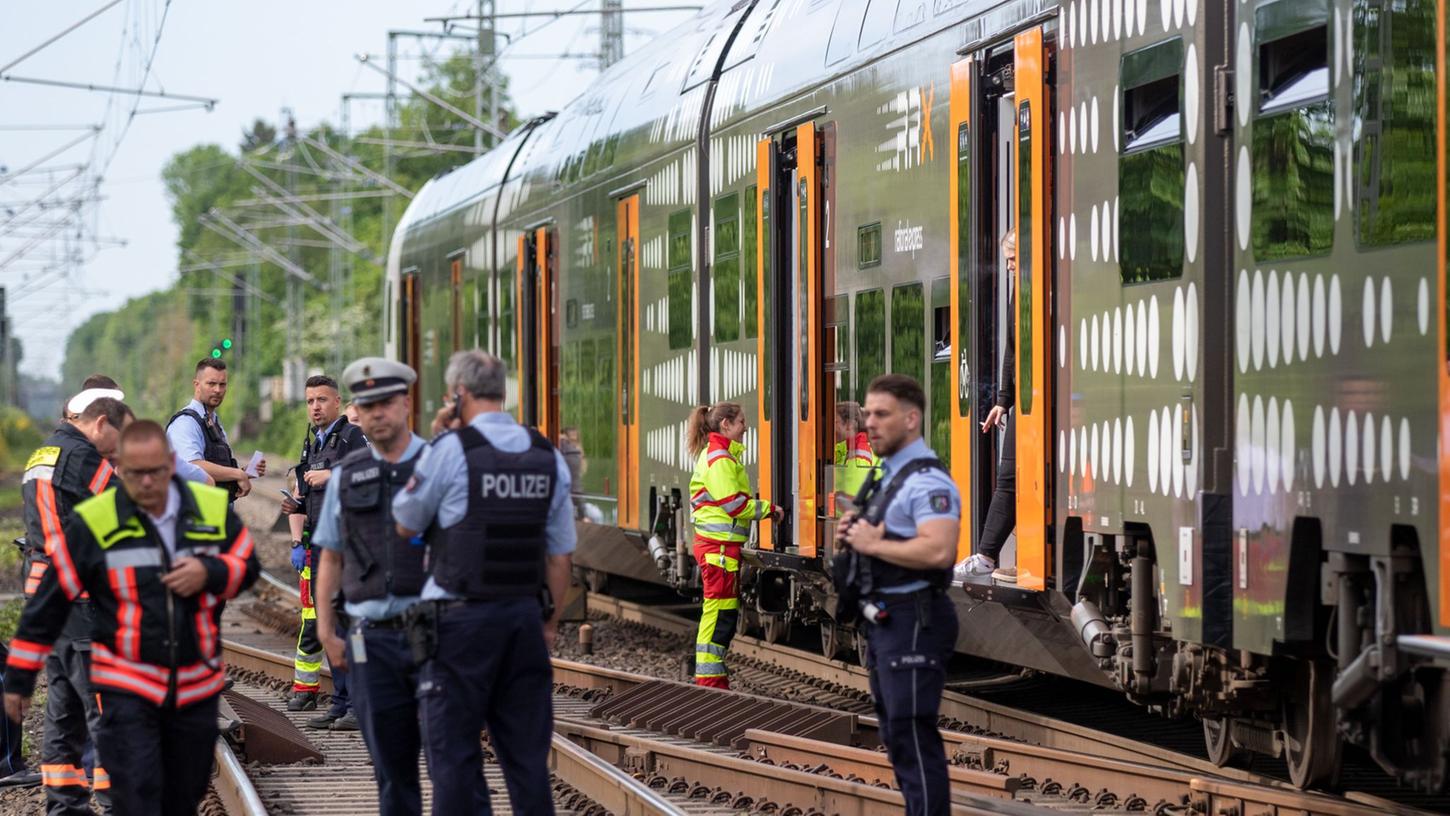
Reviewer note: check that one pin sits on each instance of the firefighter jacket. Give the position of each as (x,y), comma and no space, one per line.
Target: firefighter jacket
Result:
(60,474)
(720,505)
(340,440)
(147,640)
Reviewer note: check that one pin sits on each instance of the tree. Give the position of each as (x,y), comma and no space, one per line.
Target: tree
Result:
(259,135)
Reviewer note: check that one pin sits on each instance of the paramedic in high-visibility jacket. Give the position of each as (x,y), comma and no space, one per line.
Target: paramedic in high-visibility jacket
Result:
(159,556)
(721,510)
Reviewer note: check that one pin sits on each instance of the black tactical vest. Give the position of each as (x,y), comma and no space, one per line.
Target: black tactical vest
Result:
(216,450)
(497,550)
(323,455)
(377,561)
(874,573)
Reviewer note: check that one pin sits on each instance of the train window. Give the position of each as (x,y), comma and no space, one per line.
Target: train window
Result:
(571,313)
(767,337)
(965,236)
(868,245)
(1151,174)
(1293,132)
(1024,257)
(941,368)
(1394,125)
(846,30)
(506,314)
(908,14)
(879,14)
(870,335)
(725,277)
(679,287)
(908,331)
(748,273)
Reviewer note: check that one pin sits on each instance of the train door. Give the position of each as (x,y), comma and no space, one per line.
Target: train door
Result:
(963,236)
(627,352)
(795,448)
(538,332)
(408,334)
(1032,314)
(1004,121)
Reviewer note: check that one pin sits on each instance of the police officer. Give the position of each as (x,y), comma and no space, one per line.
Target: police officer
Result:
(329,439)
(70,467)
(903,545)
(497,496)
(381,575)
(159,557)
(201,439)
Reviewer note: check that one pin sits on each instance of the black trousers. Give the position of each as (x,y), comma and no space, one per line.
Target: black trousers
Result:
(491,668)
(11,758)
(159,757)
(907,660)
(1002,511)
(386,704)
(71,717)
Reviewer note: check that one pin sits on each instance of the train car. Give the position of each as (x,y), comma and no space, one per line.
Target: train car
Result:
(1233,456)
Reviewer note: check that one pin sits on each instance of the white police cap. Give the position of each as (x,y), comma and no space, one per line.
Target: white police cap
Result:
(373,379)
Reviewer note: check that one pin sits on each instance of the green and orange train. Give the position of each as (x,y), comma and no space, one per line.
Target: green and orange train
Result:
(1233,417)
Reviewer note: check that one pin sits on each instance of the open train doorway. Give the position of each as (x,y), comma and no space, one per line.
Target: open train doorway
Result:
(1001,104)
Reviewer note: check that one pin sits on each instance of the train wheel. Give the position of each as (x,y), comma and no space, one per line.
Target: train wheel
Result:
(832,644)
(1311,740)
(862,648)
(777,627)
(1218,741)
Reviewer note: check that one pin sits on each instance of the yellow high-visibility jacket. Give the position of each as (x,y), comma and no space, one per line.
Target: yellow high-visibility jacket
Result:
(720,505)
(854,460)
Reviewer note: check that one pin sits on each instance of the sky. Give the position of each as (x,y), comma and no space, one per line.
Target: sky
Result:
(256,58)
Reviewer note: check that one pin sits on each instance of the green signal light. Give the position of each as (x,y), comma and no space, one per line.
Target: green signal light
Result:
(216,352)
(227,343)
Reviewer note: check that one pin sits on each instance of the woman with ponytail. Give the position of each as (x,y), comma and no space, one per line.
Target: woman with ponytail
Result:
(721,510)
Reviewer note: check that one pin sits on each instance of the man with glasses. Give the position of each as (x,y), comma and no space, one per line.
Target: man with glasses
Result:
(159,557)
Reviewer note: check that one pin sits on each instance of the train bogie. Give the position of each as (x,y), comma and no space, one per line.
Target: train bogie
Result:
(1229,313)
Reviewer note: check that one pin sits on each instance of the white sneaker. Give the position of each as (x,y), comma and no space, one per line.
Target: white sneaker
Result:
(978,568)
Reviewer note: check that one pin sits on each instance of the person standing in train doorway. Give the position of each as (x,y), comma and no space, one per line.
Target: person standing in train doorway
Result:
(902,544)
(721,511)
(1002,511)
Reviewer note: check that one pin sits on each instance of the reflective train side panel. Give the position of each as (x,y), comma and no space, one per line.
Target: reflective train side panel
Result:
(1229,307)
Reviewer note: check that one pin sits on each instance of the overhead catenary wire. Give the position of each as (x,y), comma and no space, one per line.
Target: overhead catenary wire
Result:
(60,35)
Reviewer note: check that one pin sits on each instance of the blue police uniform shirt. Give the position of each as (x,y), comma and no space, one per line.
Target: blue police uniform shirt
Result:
(186,470)
(327,537)
(186,436)
(322,434)
(926,495)
(440,488)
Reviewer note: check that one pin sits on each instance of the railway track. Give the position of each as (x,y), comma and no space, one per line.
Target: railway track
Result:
(1051,759)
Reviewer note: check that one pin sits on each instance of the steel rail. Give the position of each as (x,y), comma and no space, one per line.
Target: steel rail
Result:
(233,786)
(993,717)
(613,789)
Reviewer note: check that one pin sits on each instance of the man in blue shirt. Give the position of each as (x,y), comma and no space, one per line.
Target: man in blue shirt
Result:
(197,436)
(905,541)
(498,495)
(383,575)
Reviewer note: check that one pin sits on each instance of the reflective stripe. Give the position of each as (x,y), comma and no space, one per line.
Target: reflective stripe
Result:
(100,780)
(61,776)
(197,550)
(55,540)
(46,472)
(186,695)
(128,610)
(709,649)
(133,557)
(27,655)
(121,681)
(724,562)
(727,528)
(719,604)
(37,572)
(101,654)
(101,477)
(236,561)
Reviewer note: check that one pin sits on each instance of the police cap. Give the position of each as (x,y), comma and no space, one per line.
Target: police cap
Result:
(374,379)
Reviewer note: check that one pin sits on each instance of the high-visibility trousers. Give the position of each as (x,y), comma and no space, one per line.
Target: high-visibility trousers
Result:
(72,713)
(720,615)
(307,662)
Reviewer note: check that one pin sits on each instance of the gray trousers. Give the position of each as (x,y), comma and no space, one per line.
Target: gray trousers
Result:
(71,716)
